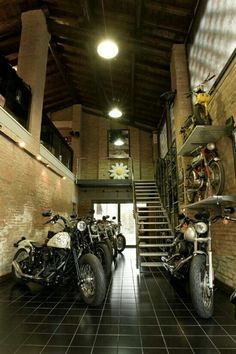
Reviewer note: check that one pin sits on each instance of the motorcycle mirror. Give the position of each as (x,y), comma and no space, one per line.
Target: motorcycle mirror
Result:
(114,217)
(47,213)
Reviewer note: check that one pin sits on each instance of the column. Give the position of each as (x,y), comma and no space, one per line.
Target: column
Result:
(75,142)
(32,64)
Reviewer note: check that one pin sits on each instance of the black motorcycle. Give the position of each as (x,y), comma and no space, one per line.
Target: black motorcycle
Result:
(62,259)
(190,257)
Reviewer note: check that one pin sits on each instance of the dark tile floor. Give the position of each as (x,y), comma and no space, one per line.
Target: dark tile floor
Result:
(142,314)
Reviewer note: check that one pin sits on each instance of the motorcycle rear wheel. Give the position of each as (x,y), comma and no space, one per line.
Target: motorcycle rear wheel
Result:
(201,295)
(103,253)
(93,280)
(22,258)
(193,186)
(121,242)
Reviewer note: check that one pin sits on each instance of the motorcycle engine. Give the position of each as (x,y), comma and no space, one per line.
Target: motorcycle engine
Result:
(181,248)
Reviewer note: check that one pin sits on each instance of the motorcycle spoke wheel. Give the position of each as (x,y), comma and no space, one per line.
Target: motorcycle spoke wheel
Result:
(121,243)
(191,189)
(217,177)
(201,294)
(92,280)
(88,285)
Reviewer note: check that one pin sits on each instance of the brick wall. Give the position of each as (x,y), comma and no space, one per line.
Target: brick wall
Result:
(26,189)
(222,106)
(93,139)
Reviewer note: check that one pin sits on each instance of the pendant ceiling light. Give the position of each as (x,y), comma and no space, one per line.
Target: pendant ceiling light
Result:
(107,49)
(115,113)
(119,142)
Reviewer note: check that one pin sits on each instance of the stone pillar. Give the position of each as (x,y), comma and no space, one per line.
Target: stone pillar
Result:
(32,63)
(75,141)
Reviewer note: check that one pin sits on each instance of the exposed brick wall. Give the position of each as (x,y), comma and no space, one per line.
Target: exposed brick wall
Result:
(222,106)
(94,162)
(26,189)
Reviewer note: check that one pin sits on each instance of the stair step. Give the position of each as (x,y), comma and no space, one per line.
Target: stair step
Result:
(156,237)
(147,245)
(151,217)
(143,230)
(152,223)
(145,198)
(152,264)
(153,254)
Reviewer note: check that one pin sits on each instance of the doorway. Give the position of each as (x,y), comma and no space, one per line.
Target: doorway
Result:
(123,213)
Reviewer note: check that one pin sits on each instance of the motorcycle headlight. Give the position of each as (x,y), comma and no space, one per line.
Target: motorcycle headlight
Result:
(201,227)
(94,228)
(190,234)
(81,225)
(211,146)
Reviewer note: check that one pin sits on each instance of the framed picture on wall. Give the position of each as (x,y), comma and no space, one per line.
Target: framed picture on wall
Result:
(118,143)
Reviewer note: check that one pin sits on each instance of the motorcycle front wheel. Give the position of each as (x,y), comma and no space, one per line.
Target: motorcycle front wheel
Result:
(201,294)
(22,259)
(121,242)
(92,280)
(114,246)
(103,253)
(217,177)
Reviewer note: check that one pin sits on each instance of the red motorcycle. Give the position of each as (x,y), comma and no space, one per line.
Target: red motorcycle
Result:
(205,174)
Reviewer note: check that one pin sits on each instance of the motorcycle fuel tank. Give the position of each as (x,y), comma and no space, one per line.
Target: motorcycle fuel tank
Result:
(60,240)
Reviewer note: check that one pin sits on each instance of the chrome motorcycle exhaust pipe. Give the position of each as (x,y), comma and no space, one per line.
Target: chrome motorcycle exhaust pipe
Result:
(23,275)
(182,263)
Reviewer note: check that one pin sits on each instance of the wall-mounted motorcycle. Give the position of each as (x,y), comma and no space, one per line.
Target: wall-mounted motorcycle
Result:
(63,258)
(201,114)
(190,256)
(205,174)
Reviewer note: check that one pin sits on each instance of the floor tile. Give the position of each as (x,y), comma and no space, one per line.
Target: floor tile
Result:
(143,314)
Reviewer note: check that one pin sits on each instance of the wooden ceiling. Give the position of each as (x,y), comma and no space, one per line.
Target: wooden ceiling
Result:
(145,31)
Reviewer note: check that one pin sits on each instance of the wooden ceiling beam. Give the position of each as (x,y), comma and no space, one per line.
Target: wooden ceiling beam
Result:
(168,9)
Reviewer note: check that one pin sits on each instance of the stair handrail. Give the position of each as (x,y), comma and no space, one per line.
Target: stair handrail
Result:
(135,211)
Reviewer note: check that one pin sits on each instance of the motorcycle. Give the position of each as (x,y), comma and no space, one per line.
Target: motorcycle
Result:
(201,114)
(106,232)
(99,247)
(205,174)
(61,259)
(121,240)
(190,257)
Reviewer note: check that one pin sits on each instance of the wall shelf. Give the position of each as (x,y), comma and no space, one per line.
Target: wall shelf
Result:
(213,202)
(202,134)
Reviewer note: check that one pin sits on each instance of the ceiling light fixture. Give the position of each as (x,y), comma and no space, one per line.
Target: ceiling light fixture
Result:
(107,49)
(21,144)
(115,113)
(119,142)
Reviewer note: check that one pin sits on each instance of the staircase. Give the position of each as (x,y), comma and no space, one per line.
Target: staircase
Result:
(153,232)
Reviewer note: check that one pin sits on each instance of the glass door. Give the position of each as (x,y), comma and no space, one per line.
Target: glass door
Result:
(123,213)
(127,223)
